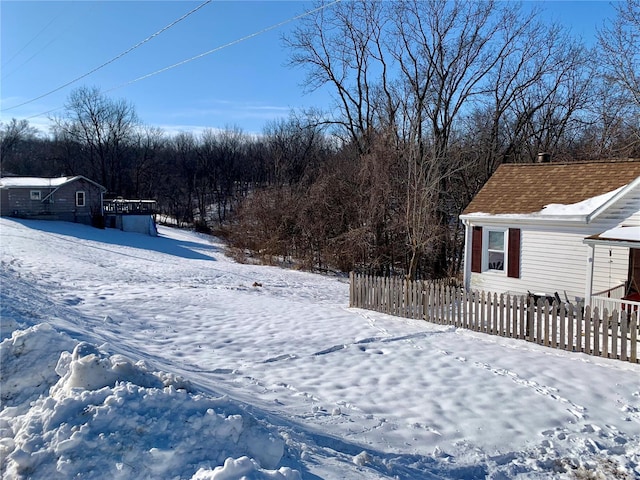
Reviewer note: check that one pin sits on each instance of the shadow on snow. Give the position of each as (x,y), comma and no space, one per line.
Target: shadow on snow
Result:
(168,246)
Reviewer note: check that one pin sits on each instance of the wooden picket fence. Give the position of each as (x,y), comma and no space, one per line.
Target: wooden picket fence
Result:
(567,327)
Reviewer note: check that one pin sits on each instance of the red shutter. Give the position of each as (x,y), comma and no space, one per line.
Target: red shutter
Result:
(513,267)
(476,250)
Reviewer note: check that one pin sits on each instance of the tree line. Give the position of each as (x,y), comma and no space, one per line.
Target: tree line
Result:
(430,98)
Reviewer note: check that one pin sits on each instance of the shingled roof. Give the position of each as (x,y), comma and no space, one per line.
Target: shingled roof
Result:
(527,188)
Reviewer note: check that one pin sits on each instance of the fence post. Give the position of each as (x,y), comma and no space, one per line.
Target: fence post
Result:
(554,325)
(444,305)
(503,310)
(450,306)
(531,311)
(351,289)
(397,296)
(460,306)
(506,332)
(374,293)
(481,319)
(513,333)
(563,325)
(613,353)
(604,341)
(523,318)
(586,323)
(482,324)
(546,323)
(572,316)
(596,332)
(425,306)
(539,335)
(633,329)
(465,308)
(365,291)
(409,297)
(435,305)
(625,316)
(493,313)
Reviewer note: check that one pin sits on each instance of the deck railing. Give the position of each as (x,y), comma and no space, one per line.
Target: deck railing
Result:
(129,207)
(615,293)
(612,299)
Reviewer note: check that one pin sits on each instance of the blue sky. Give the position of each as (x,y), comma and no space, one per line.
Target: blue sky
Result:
(45,44)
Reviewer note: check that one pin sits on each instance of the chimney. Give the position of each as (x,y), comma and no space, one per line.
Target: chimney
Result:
(544,157)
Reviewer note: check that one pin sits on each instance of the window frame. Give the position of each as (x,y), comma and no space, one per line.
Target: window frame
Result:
(35,195)
(81,194)
(486,250)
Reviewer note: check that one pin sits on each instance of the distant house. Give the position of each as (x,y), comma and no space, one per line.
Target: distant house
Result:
(566,228)
(73,199)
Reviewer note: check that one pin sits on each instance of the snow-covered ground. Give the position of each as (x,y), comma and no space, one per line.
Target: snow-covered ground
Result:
(127,356)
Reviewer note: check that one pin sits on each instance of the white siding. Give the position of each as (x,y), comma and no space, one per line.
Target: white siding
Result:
(625,211)
(633,220)
(554,258)
(556,261)
(611,267)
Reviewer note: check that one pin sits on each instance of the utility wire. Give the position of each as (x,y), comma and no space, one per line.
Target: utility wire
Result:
(114,58)
(4,65)
(7,62)
(247,37)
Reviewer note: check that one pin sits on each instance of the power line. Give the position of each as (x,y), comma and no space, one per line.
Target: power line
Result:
(7,62)
(247,37)
(114,58)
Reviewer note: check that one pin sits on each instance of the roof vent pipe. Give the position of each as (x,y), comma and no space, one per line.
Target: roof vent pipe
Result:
(544,157)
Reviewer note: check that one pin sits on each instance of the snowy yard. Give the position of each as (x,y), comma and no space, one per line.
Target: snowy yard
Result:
(127,356)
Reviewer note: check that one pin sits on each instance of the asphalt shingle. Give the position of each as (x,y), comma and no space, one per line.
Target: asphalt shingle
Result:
(527,188)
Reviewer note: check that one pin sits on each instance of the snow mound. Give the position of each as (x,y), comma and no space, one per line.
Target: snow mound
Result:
(88,414)
(89,368)
(245,468)
(28,359)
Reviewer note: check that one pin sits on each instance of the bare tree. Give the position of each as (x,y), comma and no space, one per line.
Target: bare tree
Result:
(410,74)
(11,135)
(147,143)
(619,42)
(103,127)
(176,190)
(340,47)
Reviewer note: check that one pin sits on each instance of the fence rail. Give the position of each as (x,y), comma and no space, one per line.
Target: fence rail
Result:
(567,327)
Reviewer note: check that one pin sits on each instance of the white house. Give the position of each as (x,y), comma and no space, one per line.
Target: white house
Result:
(566,228)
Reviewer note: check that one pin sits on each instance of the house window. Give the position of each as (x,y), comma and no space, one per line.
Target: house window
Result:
(491,247)
(35,195)
(79,199)
(495,254)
